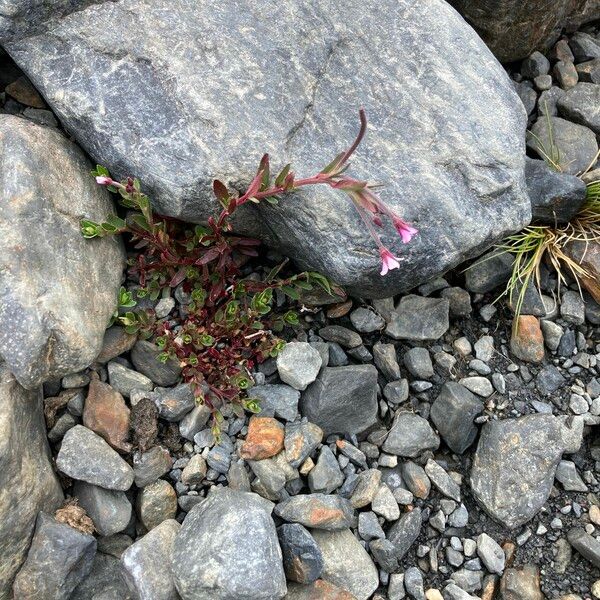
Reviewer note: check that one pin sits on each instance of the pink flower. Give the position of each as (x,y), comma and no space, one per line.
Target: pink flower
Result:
(388,260)
(405,230)
(102,180)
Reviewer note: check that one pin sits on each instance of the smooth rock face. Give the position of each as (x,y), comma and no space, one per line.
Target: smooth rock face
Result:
(110,510)
(146,563)
(58,560)
(448,101)
(58,289)
(513,29)
(227,548)
(103,582)
(514,465)
(27,480)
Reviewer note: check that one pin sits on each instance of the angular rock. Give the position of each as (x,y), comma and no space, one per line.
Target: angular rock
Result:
(416,479)
(319,590)
(27,480)
(318,511)
(106,413)
(238,528)
(149,466)
(277,401)
(116,342)
(587,254)
(342,399)
(157,502)
(527,340)
(110,510)
(585,544)
(582,105)
(298,364)
(514,466)
(555,197)
(103,582)
(400,537)
(57,329)
(386,361)
(326,475)
(491,554)
(194,421)
(453,413)
(144,357)
(346,563)
(566,473)
(58,560)
(572,146)
(419,319)
(521,584)
(265,439)
(490,271)
(418,362)
(173,403)
(463,101)
(301,439)
(87,457)
(126,380)
(302,558)
(195,471)
(409,436)
(366,488)
(147,563)
(442,481)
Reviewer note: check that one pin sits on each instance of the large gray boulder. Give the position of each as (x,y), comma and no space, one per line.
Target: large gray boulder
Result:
(157,89)
(27,482)
(58,289)
(513,29)
(227,549)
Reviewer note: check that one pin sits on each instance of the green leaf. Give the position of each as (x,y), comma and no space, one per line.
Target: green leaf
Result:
(100,171)
(290,291)
(90,230)
(282,175)
(333,164)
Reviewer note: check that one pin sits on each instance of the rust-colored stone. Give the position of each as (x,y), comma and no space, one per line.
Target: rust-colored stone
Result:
(264,439)
(318,590)
(588,256)
(106,413)
(339,310)
(23,91)
(321,515)
(527,340)
(116,341)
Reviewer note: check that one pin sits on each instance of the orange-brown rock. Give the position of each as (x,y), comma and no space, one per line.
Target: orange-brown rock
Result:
(22,90)
(339,310)
(588,256)
(106,413)
(264,439)
(318,590)
(527,341)
(116,341)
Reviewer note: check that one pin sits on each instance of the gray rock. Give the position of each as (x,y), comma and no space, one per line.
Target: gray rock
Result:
(464,101)
(342,399)
(238,528)
(27,480)
(318,511)
(396,392)
(572,308)
(125,380)
(565,74)
(584,46)
(552,334)
(385,505)
(59,559)
(416,479)
(147,563)
(453,592)
(490,271)
(555,197)
(589,71)
(155,503)
(404,533)
(103,582)
(418,362)
(413,583)
(572,146)
(149,466)
(277,400)
(535,65)
(271,478)
(87,457)
(527,95)
(585,544)
(513,29)
(547,101)
(409,436)
(384,356)
(298,364)
(459,301)
(582,105)
(366,488)
(490,554)
(144,357)
(302,558)
(419,319)
(194,421)
(301,439)
(326,475)
(42,335)
(442,481)
(110,510)
(566,473)
(341,335)
(453,413)
(173,403)
(366,320)
(346,563)
(514,466)
(549,380)
(369,527)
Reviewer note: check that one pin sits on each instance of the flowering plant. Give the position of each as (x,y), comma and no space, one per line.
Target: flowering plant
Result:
(227,325)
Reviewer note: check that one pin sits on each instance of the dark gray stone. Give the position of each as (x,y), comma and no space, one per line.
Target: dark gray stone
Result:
(585,544)
(513,29)
(27,480)
(386,361)
(589,72)
(301,439)
(400,537)
(573,147)
(342,399)
(489,272)
(149,466)
(419,319)
(413,583)
(47,331)
(110,510)
(147,563)
(584,46)
(459,116)
(144,357)
(87,457)
(410,436)
(514,465)
(582,105)
(535,65)
(277,400)
(442,481)
(549,380)
(366,320)
(555,197)
(302,558)
(341,335)
(194,421)
(103,582)
(527,95)
(173,403)
(325,476)
(238,528)
(453,413)
(59,559)
(418,362)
